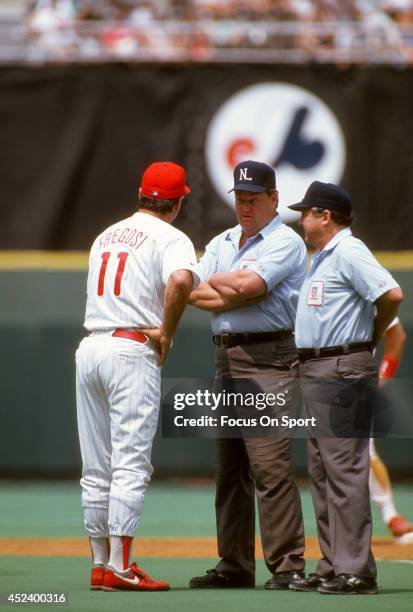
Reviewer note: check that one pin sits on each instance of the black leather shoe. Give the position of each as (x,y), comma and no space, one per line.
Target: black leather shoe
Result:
(215,580)
(348,584)
(301,583)
(282,580)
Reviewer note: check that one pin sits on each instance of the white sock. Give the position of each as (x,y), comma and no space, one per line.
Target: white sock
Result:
(383,498)
(100,550)
(119,552)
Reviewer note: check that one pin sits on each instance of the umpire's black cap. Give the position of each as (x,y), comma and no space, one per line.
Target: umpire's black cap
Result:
(327,196)
(253,176)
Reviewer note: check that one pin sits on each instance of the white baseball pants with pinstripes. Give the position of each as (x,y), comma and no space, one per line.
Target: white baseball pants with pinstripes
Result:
(118,396)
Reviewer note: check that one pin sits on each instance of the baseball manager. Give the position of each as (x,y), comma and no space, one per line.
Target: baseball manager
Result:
(140,276)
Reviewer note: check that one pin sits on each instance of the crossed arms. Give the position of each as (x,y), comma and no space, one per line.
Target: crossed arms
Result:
(228,290)
(223,291)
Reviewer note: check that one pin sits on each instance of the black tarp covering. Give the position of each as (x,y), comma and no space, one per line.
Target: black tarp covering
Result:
(75,139)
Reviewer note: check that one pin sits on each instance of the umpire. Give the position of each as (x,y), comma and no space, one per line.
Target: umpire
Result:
(251,277)
(346,303)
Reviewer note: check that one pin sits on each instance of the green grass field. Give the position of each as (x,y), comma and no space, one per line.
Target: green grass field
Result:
(52,509)
(69,575)
(172,509)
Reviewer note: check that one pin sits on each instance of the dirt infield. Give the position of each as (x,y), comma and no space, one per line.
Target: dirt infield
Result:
(383,548)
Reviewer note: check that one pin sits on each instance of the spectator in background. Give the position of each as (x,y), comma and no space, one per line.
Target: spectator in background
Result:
(47,15)
(337,31)
(381,32)
(401,12)
(50,26)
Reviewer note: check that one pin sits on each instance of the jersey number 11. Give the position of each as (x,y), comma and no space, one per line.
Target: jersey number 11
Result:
(119,273)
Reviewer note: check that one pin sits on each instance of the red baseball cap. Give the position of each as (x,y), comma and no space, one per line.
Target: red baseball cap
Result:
(164,181)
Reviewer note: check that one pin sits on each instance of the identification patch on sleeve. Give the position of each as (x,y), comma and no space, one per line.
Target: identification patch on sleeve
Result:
(316,293)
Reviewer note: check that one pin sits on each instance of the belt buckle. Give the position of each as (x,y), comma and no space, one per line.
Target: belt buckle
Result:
(346,348)
(224,339)
(317,352)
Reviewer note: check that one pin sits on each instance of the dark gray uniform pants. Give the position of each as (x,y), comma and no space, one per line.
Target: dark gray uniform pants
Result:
(339,469)
(245,466)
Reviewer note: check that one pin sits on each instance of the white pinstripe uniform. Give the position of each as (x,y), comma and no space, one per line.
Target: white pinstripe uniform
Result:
(117,379)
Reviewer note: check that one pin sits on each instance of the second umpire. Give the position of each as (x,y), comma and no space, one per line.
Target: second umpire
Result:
(346,303)
(259,259)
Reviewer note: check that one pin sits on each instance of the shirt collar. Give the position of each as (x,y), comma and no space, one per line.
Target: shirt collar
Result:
(271,226)
(336,239)
(234,234)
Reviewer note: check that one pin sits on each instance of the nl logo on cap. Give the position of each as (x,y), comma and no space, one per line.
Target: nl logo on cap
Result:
(282,125)
(243,172)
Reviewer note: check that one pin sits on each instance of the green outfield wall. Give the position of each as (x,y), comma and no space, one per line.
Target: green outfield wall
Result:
(41,315)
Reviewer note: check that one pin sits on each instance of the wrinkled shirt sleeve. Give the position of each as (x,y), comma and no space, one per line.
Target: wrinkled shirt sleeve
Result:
(362,270)
(278,260)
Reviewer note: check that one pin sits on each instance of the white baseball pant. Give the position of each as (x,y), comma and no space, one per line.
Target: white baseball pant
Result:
(118,397)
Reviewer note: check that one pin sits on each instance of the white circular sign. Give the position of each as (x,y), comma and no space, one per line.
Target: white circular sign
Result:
(283,125)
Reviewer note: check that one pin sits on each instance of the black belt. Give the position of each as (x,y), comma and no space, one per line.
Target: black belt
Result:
(251,338)
(333,351)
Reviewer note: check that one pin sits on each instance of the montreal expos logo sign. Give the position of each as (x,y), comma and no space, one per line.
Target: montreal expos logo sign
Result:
(283,125)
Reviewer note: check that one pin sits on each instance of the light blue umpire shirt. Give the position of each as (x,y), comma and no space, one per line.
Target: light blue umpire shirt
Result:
(336,303)
(278,255)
